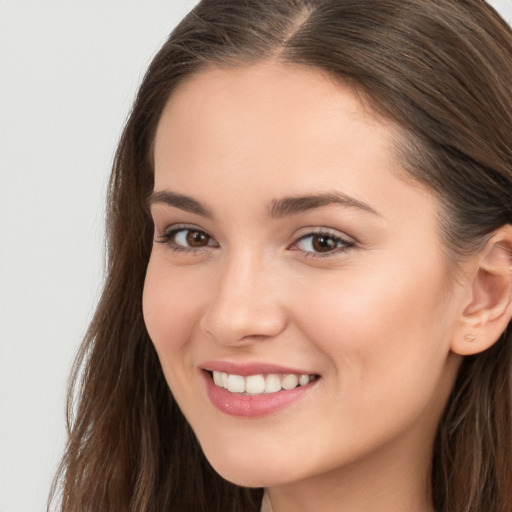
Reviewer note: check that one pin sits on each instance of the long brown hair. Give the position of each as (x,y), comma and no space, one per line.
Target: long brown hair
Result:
(442,70)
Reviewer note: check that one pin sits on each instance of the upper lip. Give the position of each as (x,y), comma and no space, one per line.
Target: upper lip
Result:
(251,368)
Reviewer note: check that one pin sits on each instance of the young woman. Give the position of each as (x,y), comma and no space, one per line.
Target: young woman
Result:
(309,269)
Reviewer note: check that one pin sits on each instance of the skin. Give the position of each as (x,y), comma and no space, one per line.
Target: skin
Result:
(375,320)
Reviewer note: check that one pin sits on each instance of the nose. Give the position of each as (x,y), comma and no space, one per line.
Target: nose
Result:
(246,303)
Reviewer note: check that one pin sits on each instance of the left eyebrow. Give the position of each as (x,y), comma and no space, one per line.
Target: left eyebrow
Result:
(294,205)
(181,201)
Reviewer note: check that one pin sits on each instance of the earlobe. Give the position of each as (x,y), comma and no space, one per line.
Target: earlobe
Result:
(489,310)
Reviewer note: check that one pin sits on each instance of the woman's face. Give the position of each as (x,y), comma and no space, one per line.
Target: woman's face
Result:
(292,261)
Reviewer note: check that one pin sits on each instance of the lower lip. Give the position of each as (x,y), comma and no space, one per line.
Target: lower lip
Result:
(253,405)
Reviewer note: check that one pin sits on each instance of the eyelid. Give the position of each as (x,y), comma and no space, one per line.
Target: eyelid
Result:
(322,230)
(347,242)
(179,226)
(165,237)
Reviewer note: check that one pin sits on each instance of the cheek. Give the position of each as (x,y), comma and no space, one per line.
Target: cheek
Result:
(382,327)
(385,351)
(170,311)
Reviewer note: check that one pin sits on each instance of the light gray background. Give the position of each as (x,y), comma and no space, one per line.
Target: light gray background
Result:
(68,72)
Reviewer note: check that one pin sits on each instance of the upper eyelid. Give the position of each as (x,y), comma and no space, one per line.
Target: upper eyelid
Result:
(165,237)
(325,234)
(298,235)
(183,226)
(303,232)
(335,233)
(176,228)
(345,240)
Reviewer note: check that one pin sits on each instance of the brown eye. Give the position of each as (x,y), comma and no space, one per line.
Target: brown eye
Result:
(196,238)
(323,243)
(187,239)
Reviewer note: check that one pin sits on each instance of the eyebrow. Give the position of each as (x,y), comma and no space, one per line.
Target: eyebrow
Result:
(183,202)
(278,208)
(295,205)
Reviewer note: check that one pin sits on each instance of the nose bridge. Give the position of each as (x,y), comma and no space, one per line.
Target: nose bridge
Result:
(245,305)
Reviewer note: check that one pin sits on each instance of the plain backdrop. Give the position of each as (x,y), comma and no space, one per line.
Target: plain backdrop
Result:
(69,70)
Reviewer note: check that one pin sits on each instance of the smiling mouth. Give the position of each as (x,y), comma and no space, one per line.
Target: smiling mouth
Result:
(260,384)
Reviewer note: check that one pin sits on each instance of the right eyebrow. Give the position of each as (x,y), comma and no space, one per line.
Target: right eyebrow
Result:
(180,201)
(295,205)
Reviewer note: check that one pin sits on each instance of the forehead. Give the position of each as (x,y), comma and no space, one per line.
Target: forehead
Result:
(267,110)
(260,132)
(290,88)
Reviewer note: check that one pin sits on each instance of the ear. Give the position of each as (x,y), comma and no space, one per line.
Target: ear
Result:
(489,309)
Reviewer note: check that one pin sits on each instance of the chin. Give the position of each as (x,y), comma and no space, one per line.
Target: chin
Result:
(247,472)
(248,477)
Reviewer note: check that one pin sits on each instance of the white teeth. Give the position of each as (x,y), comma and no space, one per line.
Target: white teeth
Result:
(236,384)
(290,381)
(303,380)
(259,384)
(217,378)
(272,383)
(255,384)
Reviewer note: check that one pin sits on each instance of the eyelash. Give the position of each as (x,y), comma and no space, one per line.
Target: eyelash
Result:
(168,238)
(341,244)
